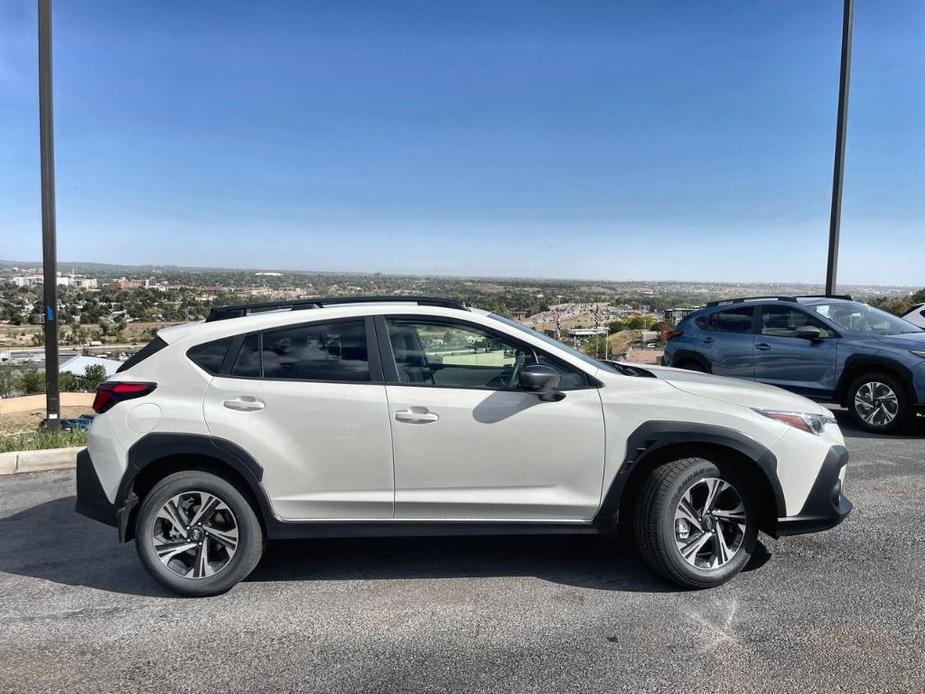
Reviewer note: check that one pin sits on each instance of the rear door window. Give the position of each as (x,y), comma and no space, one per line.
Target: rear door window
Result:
(783,321)
(730,320)
(318,352)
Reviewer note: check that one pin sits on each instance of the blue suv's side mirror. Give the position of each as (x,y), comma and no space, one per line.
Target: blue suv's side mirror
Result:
(809,332)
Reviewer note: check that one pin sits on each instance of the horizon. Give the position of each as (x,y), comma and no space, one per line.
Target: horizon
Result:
(63,270)
(491,140)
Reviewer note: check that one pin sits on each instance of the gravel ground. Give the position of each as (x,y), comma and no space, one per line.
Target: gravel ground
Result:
(837,611)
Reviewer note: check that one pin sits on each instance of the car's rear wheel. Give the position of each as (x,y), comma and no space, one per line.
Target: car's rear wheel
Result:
(197,535)
(879,403)
(696,523)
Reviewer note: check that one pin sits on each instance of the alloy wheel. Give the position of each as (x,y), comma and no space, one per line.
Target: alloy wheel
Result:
(195,534)
(876,403)
(710,523)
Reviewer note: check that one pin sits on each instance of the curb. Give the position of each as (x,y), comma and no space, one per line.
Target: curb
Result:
(16,462)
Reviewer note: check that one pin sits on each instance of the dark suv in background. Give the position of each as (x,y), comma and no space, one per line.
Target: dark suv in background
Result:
(831,349)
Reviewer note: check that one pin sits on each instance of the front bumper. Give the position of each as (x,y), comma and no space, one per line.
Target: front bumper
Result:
(826,506)
(92,501)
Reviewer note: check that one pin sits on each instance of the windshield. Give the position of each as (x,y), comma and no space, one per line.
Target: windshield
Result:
(855,317)
(554,342)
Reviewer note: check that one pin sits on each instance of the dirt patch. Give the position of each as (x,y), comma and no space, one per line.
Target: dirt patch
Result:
(27,422)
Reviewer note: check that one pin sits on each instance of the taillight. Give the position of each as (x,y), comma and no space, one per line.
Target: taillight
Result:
(110,393)
(672,334)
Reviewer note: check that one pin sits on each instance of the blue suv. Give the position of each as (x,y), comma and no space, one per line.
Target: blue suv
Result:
(830,349)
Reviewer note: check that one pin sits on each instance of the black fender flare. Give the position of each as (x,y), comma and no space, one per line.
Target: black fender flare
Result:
(683,354)
(653,436)
(869,362)
(153,447)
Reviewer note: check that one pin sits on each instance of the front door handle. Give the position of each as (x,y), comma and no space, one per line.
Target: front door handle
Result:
(245,403)
(763,346)
(416,415)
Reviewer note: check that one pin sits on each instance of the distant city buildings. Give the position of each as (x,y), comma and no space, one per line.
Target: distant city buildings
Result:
(71,280)
(125,283)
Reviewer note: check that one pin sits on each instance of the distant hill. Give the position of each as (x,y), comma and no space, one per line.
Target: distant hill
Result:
(588,285)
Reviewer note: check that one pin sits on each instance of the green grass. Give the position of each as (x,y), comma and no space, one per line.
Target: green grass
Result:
(42,439)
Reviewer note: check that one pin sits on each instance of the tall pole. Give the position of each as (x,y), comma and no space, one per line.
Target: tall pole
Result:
(49,250)
(840,128)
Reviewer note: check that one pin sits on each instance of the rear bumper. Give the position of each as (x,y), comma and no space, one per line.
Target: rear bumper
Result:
(826,506)
(92,501)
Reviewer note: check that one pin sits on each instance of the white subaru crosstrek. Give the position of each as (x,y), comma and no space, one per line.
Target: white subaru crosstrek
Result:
(417,416)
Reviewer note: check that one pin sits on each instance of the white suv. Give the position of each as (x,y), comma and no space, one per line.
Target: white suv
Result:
(916,315)
(417,416)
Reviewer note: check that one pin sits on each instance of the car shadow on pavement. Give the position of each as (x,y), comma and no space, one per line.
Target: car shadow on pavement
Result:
(51,542)
(584,561)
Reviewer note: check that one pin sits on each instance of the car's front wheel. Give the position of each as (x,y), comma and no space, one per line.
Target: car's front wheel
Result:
(197,535)
(696,522)
(879,403)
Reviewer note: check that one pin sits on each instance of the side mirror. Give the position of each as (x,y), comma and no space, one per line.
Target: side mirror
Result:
(809,332)
(542,380)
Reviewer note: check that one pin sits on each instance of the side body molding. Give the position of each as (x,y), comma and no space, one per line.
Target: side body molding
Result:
(653,436)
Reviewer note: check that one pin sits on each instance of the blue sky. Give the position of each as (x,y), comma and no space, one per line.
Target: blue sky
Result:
(611,140)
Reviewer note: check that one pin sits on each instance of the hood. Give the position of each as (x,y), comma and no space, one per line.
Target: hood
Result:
(735,391)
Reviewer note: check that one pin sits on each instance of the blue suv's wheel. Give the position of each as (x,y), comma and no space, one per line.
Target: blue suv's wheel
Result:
(879,403)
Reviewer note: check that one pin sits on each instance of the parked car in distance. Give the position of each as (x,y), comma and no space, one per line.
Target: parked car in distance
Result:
(916,315)
(81,423)
(830,349)
(418,416)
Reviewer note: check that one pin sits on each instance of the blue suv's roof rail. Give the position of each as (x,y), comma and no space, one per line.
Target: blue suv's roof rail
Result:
(239,310)
(739,300)
(846,297)
(742,299)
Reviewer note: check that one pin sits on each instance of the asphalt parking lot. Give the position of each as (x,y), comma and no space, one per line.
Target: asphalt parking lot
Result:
(838,611)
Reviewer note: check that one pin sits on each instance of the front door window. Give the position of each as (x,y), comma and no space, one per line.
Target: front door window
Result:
(453,355)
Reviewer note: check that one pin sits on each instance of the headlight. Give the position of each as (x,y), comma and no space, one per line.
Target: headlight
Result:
(918,354)
(811,423)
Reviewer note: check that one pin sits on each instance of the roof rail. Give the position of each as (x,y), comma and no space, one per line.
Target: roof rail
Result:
(846,297)
(739,300)
(239,310)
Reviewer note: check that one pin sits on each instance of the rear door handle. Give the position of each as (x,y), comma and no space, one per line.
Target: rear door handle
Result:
(763,346)
(708,340)
(416,416)
(245,403)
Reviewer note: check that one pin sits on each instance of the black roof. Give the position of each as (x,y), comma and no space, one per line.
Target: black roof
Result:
(239,310)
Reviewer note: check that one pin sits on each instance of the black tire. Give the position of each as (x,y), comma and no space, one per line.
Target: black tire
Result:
(904,403)
(692,365)
(250,542)
(654,522)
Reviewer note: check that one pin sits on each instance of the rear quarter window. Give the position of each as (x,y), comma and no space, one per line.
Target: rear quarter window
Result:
(209,356)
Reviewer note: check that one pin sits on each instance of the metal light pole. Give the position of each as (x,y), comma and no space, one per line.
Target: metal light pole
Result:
(840,128)
(49,251)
